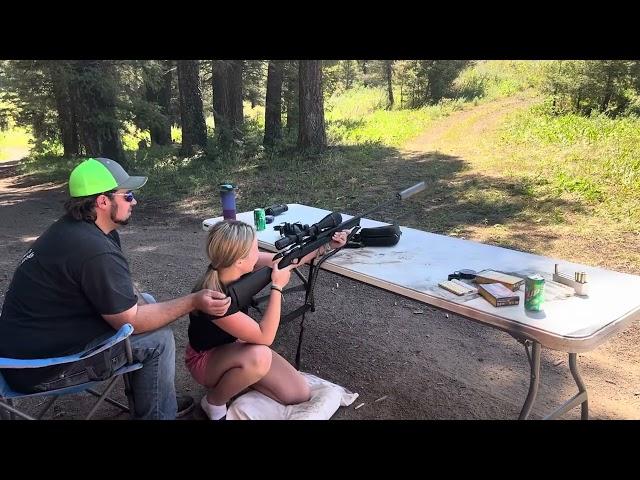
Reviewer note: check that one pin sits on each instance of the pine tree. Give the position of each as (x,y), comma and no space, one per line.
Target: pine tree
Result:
(94,90)
(194,128)
(273,103)
(311,129)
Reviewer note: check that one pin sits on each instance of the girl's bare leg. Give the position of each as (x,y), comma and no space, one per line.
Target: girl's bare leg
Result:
(283,383)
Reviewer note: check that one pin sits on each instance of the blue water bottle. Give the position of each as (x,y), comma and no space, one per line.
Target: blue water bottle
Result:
(228,199)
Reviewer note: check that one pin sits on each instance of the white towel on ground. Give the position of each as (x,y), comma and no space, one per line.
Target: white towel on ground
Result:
(326,398)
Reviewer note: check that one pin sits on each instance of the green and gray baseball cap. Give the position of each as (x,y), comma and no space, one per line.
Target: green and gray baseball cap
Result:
(98,175)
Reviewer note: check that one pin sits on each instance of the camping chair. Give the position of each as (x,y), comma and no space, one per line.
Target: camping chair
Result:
(7,395)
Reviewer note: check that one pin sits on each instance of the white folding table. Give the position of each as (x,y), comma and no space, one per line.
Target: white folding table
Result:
(420,260)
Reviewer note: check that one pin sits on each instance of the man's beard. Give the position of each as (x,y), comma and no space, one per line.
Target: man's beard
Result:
(114,209)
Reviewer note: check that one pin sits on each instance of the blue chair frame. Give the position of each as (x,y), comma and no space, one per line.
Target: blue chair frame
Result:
(7,395)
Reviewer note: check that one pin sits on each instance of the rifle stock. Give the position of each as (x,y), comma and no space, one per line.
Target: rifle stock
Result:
(247,286)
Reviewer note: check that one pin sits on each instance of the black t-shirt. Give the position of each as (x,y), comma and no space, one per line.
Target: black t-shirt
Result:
(72,274)
(204,334)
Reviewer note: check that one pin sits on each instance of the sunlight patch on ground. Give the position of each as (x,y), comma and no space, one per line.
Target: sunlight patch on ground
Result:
(145,249)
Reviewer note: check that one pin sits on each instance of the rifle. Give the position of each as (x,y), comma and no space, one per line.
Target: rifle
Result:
(301,241)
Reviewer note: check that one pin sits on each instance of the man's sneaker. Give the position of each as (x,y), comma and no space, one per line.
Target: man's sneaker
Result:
(186,404)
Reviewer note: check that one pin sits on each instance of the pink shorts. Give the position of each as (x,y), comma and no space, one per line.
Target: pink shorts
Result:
(196,363)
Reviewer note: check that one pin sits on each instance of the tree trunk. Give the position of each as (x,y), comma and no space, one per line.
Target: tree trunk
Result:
(389,74)
(194,128)
(236,117)
(608,93)
(365,78)
(161,130)
(291,95)
(60,79)
(221,103)
(220,94)
(96,99)
(110,133)
(311,130)
(273,104)
(227,98)
(348,74)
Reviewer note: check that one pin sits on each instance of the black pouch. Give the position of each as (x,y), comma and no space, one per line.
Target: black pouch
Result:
(91,368)
(385,236)
(104,364)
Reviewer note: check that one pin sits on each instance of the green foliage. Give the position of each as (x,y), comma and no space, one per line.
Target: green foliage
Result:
(141,81)
(573,86)
(357,102)
(132,136)
(587,86)
(48,167)
(26,86)
(254,78)
(584,187)
(429,81)
(339,76)
(332,77)
(596,158)
(48,148)
(254,114)
(491,79)
(176,134)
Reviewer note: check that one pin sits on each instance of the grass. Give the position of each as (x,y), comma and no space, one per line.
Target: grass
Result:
(595,160)
(561,186)
(493,79)
(358,117)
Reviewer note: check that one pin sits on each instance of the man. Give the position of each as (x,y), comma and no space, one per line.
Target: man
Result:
(73,285)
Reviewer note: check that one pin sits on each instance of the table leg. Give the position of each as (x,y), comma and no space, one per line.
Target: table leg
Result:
(534,364)
(582,389)
(578,399)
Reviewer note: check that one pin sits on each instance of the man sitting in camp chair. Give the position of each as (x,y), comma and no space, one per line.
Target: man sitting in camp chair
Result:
(73,285)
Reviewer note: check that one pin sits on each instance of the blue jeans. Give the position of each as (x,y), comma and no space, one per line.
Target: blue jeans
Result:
(153,386)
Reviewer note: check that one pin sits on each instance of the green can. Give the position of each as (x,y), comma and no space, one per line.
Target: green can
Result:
(259,219)
(534,293)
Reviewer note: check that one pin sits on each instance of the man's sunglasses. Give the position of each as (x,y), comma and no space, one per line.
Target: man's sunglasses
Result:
(128,196)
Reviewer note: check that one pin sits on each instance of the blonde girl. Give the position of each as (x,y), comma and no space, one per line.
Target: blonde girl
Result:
(230,353)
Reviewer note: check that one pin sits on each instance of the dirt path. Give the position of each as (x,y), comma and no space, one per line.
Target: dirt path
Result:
(469,124)
(404,365)
(11,154)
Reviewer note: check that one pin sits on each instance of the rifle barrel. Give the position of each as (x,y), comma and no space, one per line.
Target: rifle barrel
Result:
(409,192)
